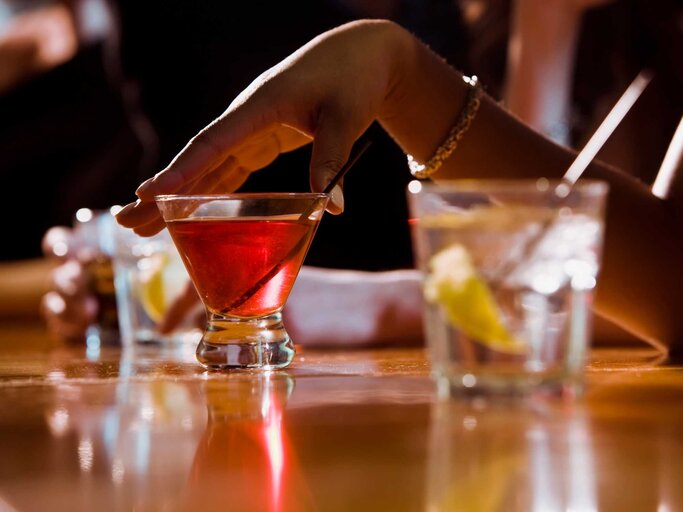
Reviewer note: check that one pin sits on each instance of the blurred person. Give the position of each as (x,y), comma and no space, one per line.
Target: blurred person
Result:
(69,135)
(33,41)
(541,51)
(559,65)
(65,121)
(329,91)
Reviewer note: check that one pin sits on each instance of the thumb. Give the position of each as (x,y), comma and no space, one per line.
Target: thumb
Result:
(331,148)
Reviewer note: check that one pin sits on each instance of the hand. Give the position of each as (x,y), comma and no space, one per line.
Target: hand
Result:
(328,92)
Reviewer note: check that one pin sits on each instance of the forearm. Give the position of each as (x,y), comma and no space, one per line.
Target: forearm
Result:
(423,103)
(639,286)
(23,283)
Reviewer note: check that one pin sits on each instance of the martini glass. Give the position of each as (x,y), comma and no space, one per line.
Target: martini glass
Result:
(243,253)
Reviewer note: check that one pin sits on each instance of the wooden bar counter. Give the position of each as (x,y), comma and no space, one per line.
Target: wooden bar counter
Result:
(150,430)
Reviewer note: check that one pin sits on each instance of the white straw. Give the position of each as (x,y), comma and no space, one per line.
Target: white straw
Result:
(585,156)
(606,128)
(671,162)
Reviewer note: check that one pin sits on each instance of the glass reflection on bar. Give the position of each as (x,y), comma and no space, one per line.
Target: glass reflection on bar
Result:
(495,458)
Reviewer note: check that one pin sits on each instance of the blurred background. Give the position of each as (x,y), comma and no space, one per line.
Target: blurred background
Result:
(98,95)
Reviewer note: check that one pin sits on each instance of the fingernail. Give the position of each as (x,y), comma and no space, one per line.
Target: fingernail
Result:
(337,198)
(144,187)
(123,211)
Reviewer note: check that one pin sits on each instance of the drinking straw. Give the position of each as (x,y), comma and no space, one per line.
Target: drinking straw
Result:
(615,116)
(581,162)
(361,145)
(672,161)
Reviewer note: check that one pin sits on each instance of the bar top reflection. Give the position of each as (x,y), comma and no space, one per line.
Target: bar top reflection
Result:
(339,430)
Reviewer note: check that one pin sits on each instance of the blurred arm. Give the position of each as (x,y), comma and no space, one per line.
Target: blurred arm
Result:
(329,307)
(540,64)
(23,285)
(34,42)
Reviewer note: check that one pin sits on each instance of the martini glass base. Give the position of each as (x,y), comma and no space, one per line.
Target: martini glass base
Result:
(256,343)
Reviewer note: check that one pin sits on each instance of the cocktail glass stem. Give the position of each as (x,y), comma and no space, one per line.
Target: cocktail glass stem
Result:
(231,342)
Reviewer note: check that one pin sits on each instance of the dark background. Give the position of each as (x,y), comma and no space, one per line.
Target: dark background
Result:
(86,133)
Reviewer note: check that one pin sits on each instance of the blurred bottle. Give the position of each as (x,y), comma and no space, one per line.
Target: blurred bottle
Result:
(94,236)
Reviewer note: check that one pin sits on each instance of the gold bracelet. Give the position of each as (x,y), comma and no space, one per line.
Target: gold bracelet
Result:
(467,114)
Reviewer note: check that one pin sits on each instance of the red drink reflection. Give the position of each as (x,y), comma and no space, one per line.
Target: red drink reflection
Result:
(226,258)
(244,461)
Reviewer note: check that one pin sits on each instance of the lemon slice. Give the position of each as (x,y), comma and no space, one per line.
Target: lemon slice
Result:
(453,283)
(161,279)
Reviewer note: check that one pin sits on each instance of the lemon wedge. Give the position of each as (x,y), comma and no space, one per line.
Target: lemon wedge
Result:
(453,283)
(161,279)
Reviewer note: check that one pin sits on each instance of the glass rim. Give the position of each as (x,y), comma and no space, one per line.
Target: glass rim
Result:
(518,185)
(240,195)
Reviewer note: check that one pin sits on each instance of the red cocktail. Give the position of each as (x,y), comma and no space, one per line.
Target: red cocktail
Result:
(225,258)
(243,253)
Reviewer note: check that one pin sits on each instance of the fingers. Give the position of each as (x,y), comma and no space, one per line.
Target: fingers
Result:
(226,178)
(202,153)
(248,119)
(137,214)
(144,216)
(331,148)
(336,72)
(151,228)
(179,309)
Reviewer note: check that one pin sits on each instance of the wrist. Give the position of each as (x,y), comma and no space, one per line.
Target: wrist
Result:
(402,50)
(425,92)
(394,47)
